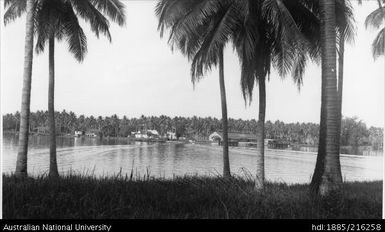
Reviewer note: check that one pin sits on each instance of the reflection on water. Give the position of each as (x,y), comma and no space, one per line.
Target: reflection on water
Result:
(110,156)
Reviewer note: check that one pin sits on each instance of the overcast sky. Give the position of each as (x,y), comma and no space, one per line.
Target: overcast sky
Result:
(138,74)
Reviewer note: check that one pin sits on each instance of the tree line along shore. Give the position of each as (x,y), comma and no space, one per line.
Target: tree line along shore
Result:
(356,137)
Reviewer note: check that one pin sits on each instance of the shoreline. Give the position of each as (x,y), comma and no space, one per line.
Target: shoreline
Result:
(202,144)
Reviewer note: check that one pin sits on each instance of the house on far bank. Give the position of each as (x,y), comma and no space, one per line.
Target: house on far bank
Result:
(247,140)
(92,133)
(139,135)
(152,134)
(171,135)
(42,130)
(78,133)
(276,144)
(145,134)
(235,139)
(215,137)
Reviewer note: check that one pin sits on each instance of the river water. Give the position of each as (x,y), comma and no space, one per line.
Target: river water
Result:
(101,157)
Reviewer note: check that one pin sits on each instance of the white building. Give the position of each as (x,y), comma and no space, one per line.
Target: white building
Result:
(91,134)
(153,133)
(214,137)
(78,133)
(171,135)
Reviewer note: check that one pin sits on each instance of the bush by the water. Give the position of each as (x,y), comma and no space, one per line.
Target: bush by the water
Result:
(82,197)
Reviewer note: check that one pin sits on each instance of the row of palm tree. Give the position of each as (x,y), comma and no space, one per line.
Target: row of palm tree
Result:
(265,34)
(48,21)
(279,34)
(354,132)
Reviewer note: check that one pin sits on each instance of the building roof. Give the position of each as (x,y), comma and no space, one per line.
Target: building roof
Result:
(154,132)
(239,136)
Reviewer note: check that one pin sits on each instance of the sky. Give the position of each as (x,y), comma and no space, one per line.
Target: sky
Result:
(138,74)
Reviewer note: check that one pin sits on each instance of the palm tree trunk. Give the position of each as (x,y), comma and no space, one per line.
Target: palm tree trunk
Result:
(21,163)
(327,175)
(260,178)
(225,144)
(53,170)
(319,168)
(341,55)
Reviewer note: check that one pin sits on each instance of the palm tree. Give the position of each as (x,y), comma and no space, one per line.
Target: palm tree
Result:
(202,40)
(263,33)
(58,19)
(282,34)
(327,175)
(345,33)
(202,28)
(272,34)
(13,9)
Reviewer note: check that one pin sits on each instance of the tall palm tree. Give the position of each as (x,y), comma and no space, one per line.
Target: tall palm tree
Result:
(263,33)
(327,175)
(58,19)
(345,33)
(202,40)
(14,9)
(278,34)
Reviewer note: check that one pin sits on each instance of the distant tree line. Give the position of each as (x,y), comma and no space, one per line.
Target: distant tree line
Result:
(354,132)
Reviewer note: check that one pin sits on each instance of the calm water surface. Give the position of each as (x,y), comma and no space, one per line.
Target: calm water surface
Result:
(110,156)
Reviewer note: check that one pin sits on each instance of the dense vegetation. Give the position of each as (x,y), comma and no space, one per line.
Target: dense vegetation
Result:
(185,197)
(353,133)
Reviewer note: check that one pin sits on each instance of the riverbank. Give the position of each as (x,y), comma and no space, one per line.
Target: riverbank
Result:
(119,197)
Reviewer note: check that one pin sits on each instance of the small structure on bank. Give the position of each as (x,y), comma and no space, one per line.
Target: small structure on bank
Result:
(247,140)
(42,130)
(234,139)
(78,133)
(145,134)
(171,135)
(92,133)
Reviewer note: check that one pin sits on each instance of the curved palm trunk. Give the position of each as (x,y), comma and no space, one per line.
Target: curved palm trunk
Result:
(260,178)
(327,175)
(21,163)
(53,171)
(225,144)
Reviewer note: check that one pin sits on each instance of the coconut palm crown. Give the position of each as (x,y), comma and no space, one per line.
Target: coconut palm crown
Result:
(61,19)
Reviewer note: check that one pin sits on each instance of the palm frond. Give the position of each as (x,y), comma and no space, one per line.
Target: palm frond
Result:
(114,9)
(219,31)
(378,46)
(87,11)
(14,9)
(376,18)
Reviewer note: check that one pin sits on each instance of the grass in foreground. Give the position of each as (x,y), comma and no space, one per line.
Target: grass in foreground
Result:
(80,197)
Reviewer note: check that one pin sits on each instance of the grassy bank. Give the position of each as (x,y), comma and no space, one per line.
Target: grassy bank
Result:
(188,197)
